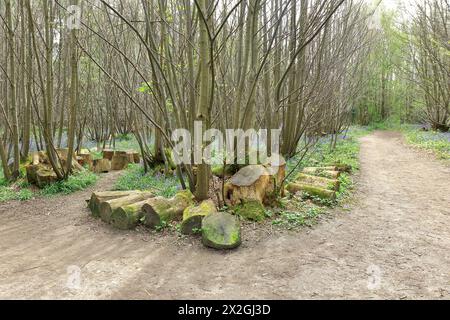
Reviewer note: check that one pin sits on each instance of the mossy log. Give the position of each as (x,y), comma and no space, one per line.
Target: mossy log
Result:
(128,217)
(221,230)
(325,183)
(107,207)
(98,197)
(322,172)
(108,154)
(101,165)
(193,216)
(119,161)
(160,209)
(311,190)
(344,168)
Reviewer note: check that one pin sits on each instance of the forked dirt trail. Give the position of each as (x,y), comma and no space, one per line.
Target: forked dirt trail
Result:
(394,243)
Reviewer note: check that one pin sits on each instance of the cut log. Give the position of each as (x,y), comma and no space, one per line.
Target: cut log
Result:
(86,159)
(119,161)
(108,154)
(45,176)
(311,190)
(160,209)
(101,165)
(107,207)
(193,216)
(325,183)
(221,230)
(128,217)
(98,197)
(322,172)
(135,156)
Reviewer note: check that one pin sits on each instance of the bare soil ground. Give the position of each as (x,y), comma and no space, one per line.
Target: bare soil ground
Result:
(394,243)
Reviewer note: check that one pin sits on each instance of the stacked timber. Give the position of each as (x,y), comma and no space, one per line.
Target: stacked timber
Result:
(40,172)
(321,182)
(126,209)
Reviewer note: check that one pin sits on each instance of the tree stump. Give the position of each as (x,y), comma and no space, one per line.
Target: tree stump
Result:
(101,165)
(45,176)
(108,154)
(119,161)
(254,182)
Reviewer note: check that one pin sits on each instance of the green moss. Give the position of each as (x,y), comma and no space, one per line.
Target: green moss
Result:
(251,210)
(221,231)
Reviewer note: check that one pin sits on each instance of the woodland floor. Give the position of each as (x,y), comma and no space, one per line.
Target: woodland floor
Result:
(393,243)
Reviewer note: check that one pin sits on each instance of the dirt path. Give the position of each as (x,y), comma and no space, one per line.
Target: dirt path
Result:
(393,244)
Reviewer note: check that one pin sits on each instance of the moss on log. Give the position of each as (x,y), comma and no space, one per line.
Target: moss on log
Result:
(251,210)
(193,216)
(311,190)
(160,209)
(107,207)
(322,172)
(128,217)
(325,183)
(221,230)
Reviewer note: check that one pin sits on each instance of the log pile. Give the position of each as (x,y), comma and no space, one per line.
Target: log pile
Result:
(40,172)
(321,182)
(126,209)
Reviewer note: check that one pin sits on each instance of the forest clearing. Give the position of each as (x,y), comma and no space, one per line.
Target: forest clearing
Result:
(224,149)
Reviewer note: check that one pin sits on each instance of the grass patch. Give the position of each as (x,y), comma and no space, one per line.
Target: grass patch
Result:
(74,183)
(436,142)
(11,193)
(135,178)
